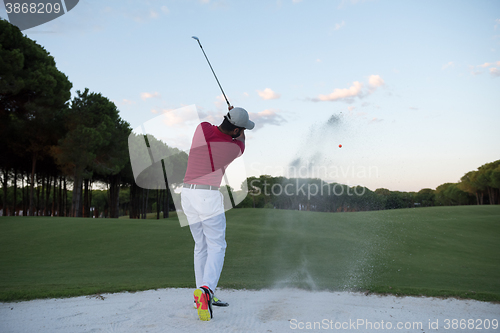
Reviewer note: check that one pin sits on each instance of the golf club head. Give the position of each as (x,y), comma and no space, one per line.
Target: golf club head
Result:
(194,37)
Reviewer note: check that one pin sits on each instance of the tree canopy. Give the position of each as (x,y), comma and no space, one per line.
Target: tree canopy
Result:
(33,96)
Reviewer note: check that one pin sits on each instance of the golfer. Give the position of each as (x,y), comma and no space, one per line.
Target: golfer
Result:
(212,150)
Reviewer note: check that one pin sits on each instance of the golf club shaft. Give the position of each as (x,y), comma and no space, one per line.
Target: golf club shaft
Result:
(213,72)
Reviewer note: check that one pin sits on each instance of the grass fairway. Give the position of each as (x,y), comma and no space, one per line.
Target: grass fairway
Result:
(438,251)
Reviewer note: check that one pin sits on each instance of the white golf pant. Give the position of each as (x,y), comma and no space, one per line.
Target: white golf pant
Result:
(204,210)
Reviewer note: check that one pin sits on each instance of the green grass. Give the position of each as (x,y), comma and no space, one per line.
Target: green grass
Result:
(439,251)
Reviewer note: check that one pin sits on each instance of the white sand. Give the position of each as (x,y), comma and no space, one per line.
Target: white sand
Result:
(284,310)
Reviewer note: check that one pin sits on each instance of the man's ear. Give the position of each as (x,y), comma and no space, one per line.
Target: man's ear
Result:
(236,133)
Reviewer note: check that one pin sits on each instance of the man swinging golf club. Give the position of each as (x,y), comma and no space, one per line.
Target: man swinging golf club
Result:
(213,148)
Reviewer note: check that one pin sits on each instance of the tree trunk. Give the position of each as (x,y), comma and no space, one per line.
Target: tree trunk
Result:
(137,202)
(47,196)
(167,205)
(164,199)
(161,201)
(114,196)
(54,193)
(32,185)
(140,203)
(27,195)
(76,208)
(45,183)
(38,194)
(59,201)
(146,204)
(23,188)
(14,197)
(158,204)
(491,195)
(4,186)
(132,202)
(131,197)
(42,201)
(143,209)
(80,212)
(65,199)
(86,207)
(90,199)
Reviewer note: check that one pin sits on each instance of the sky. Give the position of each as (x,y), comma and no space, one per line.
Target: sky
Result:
(410,89)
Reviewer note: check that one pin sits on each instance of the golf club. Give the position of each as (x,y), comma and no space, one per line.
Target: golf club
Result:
(194,37)
(229,105)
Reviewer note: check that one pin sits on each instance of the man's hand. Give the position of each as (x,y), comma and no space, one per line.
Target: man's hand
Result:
(230,107)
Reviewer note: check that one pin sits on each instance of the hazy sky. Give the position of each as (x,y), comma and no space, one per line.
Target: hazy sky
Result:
(411,89)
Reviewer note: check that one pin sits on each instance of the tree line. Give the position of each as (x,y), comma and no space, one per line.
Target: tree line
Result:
(56,149)
(475,188)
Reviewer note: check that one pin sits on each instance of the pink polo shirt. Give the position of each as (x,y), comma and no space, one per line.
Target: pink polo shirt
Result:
(211,152)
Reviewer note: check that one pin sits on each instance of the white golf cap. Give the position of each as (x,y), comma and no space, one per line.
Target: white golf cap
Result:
(239,117)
